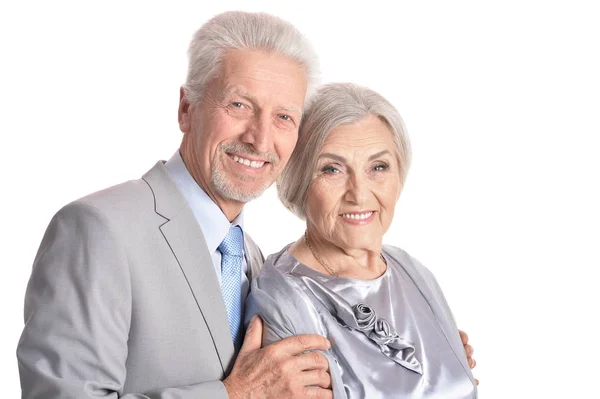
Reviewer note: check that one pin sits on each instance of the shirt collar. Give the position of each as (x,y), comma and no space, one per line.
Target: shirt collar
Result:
(212,220)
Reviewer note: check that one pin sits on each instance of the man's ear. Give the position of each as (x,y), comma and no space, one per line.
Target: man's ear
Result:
(183,113)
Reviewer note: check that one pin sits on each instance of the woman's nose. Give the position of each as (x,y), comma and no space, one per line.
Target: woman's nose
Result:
(357,189)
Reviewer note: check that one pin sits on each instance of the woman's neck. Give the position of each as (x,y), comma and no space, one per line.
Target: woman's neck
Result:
(326,257)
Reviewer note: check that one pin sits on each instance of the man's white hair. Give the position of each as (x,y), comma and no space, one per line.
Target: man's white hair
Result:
(237,30)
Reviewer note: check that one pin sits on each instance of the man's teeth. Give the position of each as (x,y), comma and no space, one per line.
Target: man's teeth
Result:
(357,216)
(247,162)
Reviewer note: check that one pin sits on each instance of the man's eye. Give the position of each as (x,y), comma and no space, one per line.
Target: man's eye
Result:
(237,104)
(285,117)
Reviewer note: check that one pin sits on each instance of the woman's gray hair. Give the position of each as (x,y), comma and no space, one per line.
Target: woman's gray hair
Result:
(237,30)
(333,105)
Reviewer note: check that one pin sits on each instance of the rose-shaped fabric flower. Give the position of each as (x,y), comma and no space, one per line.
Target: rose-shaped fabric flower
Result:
(365,317)
(380,331)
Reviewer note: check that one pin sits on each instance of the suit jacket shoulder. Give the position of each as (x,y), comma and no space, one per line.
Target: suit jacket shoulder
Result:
(123,300)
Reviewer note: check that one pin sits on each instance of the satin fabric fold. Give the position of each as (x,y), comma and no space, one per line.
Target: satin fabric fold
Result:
(392,337)
(361,317)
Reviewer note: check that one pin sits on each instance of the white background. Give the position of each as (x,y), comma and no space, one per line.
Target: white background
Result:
(501,100)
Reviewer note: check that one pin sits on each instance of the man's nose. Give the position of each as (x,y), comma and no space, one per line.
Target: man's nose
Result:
(259,133)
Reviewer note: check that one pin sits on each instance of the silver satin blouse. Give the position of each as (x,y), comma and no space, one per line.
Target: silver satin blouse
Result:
(392,337)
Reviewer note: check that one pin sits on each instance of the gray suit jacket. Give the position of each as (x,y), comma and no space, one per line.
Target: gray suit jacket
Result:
(123,300)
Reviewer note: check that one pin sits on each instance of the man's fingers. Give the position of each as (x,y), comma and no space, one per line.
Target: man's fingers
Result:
(312,361)
(318,393)
(472,362)
(463,337)
(316,378)
(469,350)
(253,338)
(301,343)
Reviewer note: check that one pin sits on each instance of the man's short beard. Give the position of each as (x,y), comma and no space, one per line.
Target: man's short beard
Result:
(227,188)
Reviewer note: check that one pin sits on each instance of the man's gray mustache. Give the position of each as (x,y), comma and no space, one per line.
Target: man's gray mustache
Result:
(244,149)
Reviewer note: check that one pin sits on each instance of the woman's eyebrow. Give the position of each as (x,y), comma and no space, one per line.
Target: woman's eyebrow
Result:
(380,153)
(332,156)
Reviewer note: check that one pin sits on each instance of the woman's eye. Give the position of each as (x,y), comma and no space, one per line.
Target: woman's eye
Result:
(380,167)
(330,170)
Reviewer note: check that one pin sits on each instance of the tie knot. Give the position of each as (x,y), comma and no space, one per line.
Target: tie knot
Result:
(233,244)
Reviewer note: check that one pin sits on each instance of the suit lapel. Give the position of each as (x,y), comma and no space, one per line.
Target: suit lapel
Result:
(430,292)
(185,238)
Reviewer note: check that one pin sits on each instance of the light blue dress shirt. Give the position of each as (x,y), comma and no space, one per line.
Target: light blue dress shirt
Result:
(212,220)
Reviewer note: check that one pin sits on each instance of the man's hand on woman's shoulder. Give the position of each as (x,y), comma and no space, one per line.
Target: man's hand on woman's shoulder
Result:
(468,350)
(283,369)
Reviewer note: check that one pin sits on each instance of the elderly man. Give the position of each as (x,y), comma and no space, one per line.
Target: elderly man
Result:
(137,291)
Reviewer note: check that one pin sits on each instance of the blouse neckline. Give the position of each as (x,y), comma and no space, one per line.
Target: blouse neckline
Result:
(327,277)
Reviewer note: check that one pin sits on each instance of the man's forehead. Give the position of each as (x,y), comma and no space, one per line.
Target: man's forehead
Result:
(252,71)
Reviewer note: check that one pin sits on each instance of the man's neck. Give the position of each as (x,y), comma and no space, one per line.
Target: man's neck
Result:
(230,208)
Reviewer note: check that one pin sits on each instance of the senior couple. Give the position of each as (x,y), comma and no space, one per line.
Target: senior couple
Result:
(141,290)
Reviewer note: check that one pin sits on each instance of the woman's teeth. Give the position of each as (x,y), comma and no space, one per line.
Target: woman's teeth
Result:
(357,215)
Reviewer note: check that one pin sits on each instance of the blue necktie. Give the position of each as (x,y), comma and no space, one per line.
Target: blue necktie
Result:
(232,252)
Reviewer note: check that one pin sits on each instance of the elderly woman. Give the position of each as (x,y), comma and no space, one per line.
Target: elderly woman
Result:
(392,332)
